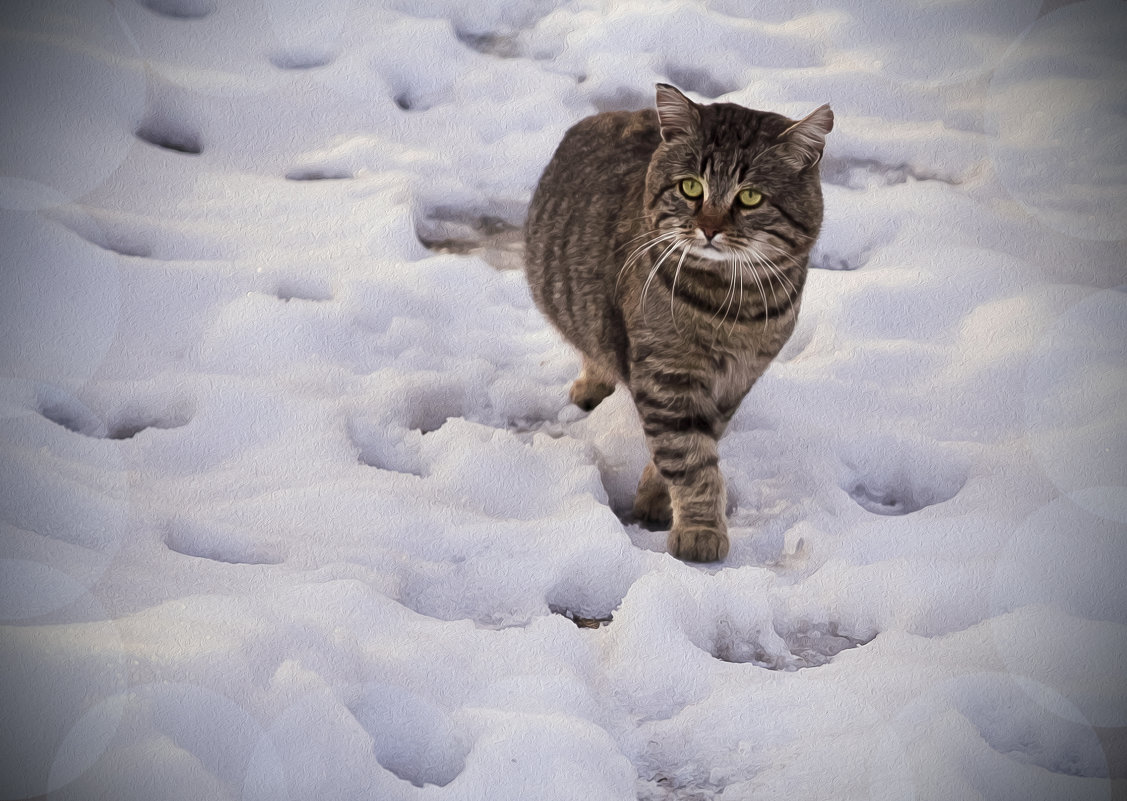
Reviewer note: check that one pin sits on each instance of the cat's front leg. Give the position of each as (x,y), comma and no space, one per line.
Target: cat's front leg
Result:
(681,432)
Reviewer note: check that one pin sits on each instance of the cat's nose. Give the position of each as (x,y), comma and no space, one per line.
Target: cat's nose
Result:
(709,223)
(709,230)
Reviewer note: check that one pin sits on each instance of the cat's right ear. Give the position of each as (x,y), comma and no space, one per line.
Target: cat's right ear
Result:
(801,145)
(676,114)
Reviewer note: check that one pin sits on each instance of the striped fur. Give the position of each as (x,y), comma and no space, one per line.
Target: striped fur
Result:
(686,300)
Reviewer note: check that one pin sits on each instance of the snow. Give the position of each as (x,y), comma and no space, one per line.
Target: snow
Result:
(293,506)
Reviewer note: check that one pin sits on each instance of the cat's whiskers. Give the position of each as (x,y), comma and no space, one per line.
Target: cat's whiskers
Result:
(746,261)
(774,269)
(725,304)
(649,232)
(775,250)
(729,297)
(653,272)
(767,276)
(673,288)
(739,308)
(761,251)
(642,248)
(735,274)
(640,251)
(643,235)
(732,282)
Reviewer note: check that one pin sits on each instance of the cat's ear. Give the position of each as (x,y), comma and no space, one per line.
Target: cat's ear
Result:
(801,144)
(676,114)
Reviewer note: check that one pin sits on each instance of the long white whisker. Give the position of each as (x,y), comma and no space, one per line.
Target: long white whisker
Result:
(645,246)
(653,272)
(673,288)
(639,252)
(642,235)
(762,294)
(767,277)
(793,260)
(739,308)
(716,328)
(775,270)
(729,297)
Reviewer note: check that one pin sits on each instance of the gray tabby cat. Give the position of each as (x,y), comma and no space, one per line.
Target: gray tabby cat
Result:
(670,248)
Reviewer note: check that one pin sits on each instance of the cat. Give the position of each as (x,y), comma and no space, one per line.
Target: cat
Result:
(670,247)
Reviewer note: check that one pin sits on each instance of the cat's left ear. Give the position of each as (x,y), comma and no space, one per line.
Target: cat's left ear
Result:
(801,144)
(676,114)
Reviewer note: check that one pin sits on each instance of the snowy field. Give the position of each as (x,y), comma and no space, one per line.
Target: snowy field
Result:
(292,502)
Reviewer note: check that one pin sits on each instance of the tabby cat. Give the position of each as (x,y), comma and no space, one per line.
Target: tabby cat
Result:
(670,248)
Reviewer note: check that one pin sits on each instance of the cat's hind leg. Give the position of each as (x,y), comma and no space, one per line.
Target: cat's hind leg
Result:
(595,382)
(651,503)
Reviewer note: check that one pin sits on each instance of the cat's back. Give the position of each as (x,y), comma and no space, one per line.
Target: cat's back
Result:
(591,183)
(581,215)
(598,151)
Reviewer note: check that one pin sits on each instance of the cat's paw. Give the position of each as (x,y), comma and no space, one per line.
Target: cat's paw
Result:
(698,544)
(587,393)
(651,503)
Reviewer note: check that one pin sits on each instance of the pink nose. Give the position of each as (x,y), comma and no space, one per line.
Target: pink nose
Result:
(709,221)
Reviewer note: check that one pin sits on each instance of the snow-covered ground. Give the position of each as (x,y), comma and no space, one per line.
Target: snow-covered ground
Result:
(293,505)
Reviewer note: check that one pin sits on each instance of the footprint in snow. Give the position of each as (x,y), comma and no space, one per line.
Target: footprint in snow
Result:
(217,544)
(166,130)
(302,58)
(180,9)
(897,476)
(396,444)
(809,646)
(502,45)
(411,737)
(306,288)
(121,420)
(319,173)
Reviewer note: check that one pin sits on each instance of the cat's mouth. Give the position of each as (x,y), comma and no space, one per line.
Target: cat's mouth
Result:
(711,252)
(719,250)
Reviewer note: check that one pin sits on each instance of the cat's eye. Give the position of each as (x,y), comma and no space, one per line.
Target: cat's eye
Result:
(692,188)
(749,198)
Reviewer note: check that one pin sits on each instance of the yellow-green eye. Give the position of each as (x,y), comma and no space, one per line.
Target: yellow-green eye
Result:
(749,198)
(692,188)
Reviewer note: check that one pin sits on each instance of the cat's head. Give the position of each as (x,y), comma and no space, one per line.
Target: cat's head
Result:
(735,183)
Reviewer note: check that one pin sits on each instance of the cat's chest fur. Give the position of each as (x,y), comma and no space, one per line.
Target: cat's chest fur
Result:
(737,362)
(733,376)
